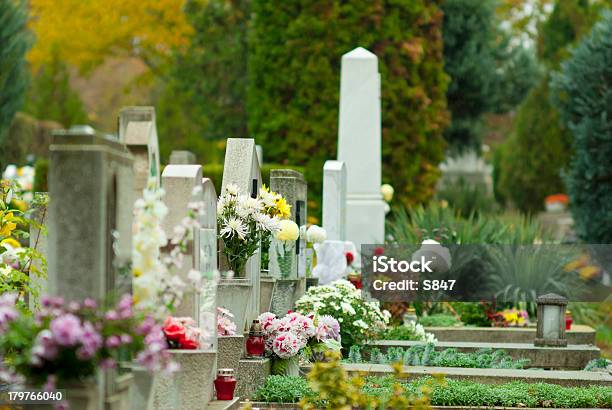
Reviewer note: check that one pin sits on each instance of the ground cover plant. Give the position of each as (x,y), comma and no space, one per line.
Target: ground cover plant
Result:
(291,389)
(426,355)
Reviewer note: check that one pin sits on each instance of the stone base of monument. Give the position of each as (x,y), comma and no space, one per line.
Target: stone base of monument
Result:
(234,295)
(283,296)
(190,387)
(79,396)
(229,351)
(225,404)
(121,398)
(266,287)
(251,375)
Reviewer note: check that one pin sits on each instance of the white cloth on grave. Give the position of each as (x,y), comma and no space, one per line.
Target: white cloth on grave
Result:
(331,261)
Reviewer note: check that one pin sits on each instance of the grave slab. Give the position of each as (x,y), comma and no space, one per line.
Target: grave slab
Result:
(572,357)
(334,200)
(578,334)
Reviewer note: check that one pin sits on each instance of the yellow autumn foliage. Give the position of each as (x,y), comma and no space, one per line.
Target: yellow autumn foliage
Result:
(85,32)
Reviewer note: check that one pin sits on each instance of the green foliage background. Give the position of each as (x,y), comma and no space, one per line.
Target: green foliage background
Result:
(294,73)
(14,43)
(529,164)
(583,95)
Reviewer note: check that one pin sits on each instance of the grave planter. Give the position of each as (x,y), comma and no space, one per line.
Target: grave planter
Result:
(79,396)
(266,287)
(283,296)
(234,295)
(190,387)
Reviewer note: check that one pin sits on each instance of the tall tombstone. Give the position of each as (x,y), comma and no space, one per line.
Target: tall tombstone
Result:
(179,182)
(292,185)
(359,146)
(182,158)
(207,245)
(334,200)
(90,214)
(241,167)
(138,131)
(89,221)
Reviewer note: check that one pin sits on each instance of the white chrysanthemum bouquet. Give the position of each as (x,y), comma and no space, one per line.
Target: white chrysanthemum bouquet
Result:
(241,222)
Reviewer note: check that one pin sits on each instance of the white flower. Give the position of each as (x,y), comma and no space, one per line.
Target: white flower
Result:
(347,308)
(232,189)
(316,234)
(360,323)
(266,223)
(234,226)
(268,198)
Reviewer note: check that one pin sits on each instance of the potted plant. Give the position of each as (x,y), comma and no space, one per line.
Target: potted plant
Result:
(64,344)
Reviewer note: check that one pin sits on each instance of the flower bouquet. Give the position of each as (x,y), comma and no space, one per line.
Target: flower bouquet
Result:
(242,223)
(359,319)
(284,246)
(314,235)
(66,343)
(225,322)
(298,336)
(181,333)
(275,206)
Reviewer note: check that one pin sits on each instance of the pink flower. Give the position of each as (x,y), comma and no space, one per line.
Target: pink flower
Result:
(327,328)
(267,319)
(89,303)
(286,345)
(8,313)
(45,347)
(108,364)
(66,329)
(113,342)
(91,342)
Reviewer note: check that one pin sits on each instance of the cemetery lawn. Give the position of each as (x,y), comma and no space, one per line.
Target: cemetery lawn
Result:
(291,389)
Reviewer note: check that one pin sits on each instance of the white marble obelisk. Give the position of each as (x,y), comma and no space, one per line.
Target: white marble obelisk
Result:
(359,146)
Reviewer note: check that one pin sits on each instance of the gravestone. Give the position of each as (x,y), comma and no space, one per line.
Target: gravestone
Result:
(207,243)
(334,200)
(241,167)
(468,168)
(137,130)
(359,146)
(89,222)
(179,182)
(90,214)
(292,186)
(259,150)
(182,158)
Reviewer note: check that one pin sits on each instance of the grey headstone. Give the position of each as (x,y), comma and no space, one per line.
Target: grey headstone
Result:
(91,186)
(241,167)
(292,185)
(138,131)
(179,182)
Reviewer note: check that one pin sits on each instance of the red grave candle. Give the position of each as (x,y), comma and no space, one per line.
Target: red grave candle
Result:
(225,384)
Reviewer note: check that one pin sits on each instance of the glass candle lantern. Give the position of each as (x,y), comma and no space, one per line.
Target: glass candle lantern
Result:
(255,343)
(225,384)
(551,320)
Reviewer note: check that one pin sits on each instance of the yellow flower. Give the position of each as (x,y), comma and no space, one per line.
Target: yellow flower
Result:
(8,225)
(387,192)
(283,209)
(11,242)
(589,272)
(136,273)
(289,231)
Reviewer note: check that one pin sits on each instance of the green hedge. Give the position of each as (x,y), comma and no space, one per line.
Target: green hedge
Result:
(295,50)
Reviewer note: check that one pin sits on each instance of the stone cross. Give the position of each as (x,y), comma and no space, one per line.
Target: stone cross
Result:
(359,146)
(182,158)
(179,182)
(292,186)
(137,130)
(241,167)
(334,200)
(90,214)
